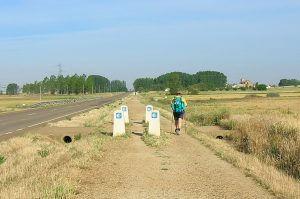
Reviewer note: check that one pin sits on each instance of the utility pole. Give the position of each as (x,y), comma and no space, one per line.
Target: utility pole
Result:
(60,71)
(59,74)
(40,93)
(110,86)
(83,89)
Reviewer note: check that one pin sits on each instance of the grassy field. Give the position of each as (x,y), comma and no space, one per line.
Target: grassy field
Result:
(19,102)
(266,127)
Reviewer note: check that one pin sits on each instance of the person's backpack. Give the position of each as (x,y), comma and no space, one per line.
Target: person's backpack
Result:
(178,105)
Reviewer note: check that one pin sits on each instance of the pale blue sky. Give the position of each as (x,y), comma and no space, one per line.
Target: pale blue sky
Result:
(126,39)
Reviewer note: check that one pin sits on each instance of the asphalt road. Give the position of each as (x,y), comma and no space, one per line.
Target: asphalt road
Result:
(16,122)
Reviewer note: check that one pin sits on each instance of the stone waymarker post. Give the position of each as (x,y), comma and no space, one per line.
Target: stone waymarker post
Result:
(154,124)
(124,109)
(149,109)
(119,124)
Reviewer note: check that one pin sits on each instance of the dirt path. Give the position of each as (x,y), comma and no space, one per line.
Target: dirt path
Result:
(182,169)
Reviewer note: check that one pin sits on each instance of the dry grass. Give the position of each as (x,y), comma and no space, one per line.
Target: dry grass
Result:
(274,139)
(39,167)
(36,166)
(268,176)
(264,130)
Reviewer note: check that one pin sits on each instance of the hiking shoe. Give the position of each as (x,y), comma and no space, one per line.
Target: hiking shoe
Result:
(177,131)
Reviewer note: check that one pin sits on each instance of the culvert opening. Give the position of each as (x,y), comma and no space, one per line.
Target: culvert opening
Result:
(220,137)
(67,139)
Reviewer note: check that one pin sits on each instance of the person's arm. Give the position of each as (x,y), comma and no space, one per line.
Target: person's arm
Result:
(172,104)
(185,103)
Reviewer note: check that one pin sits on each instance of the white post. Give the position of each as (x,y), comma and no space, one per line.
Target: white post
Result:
(124,109)
(119,124)
(149,109)
(154,124)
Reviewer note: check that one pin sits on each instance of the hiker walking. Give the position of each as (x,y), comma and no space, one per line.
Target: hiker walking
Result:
(178,106)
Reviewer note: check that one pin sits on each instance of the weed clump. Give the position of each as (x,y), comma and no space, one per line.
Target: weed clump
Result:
(62,190)
(2,159)
(250,96)
(44,152)
(273,95)
(154,141)
(126,135)
(77,137)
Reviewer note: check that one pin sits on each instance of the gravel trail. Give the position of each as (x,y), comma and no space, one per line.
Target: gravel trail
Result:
(182,169)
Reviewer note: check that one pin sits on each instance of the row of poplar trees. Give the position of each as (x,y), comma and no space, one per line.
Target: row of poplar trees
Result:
(75,84)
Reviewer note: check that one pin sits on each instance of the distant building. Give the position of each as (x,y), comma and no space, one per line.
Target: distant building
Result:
(244,84)
(271,86)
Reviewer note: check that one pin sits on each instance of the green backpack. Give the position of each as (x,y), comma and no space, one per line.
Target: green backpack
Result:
(178,105)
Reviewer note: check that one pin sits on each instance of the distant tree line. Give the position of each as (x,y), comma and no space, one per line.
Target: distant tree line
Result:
(175,81)
(75,84)
(289,82)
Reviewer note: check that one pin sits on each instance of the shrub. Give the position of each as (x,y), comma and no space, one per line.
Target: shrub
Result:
(261,87)
(273,95)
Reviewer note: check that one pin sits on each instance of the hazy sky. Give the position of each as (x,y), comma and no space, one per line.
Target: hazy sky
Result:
(126,39)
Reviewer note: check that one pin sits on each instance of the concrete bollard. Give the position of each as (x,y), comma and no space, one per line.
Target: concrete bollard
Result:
(149,109)
(154,124)
(119,124)
(124,109)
